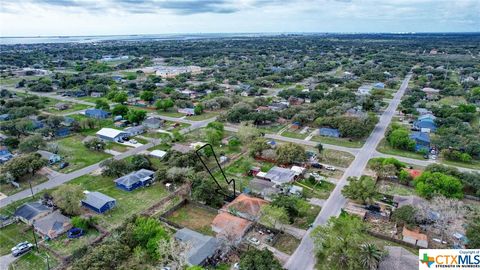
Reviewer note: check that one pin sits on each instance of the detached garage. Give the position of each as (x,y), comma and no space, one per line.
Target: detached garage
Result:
(98,202)
(111,134)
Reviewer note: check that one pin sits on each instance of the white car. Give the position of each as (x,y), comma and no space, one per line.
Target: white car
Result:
(133,141)
(329,168)
(254,241)
(21,248)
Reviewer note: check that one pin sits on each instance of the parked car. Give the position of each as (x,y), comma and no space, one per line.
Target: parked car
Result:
(317,165)
(330,168)
(21,248)
(254,241)
(63,165)
(133,141)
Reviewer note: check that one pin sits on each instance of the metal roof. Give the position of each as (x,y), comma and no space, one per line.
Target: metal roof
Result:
(202,246)
(97,199)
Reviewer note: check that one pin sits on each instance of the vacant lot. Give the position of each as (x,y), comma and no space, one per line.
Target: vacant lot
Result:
(65,246)
(73,107)
(195,218)
(14,234)
(339,141)
(391,188)
(295,135)
(9,189)
(35,260)
(309,218)
(286,243)
(203,116)
(71,149)
(336,158)
(385,148)
(320,190)
(128,203)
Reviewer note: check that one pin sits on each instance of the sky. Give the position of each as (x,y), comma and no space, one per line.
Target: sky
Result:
(119,17)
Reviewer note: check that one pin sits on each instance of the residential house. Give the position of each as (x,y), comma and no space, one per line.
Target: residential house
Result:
(135,130)
(200,247)
(158,154)
(425,125)
(31,211)
(379,85)
(61,106)
(52,225)
(329,132)
(299,171)
(51,157)
(96,94)
(279,175)
(97,113)
(428,116)
(98,202)
(111,134)
(415,238)
(398,258)
(5,154)
(152,122)
(68,121)
(423,111)
(245,207)
(431,93)
(422,140)
(230,227)
(187,111)
(411,200)
(135,180)
(364,90)
(62,132)
(264,188)
(295,101)
(278,106)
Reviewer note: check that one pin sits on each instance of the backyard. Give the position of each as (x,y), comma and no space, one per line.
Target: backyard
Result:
(194,217)
(66,246)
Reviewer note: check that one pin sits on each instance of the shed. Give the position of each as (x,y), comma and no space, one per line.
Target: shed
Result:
(158,154)
(98,202)
(52,225)
(298,170)
(201,247)
(4,117)
(135,180)
(329,132)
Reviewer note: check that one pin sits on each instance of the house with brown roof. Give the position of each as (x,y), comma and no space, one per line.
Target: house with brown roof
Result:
(230,227)
(245,206)
(415,237)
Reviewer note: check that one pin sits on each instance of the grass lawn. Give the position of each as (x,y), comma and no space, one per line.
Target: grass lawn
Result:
(295,135)
(171,114)
(475,164)
(72,150)
(35,260)
(321,191)
(384,148)
(382,243)
(391,188)
(203,116)
(452,101)
(157,135)
(194,218)
(339,141)
(93,99)
(100,123)
(336,158)
(72,108)
(286,243)
(309,218)
(117,147)
(66,246)
(14,234)
(274,128)
(128,203)
(8,189)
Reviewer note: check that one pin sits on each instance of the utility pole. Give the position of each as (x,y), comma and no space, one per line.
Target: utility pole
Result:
(34,236)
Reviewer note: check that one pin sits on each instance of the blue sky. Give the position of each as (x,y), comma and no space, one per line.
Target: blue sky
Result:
(105,17)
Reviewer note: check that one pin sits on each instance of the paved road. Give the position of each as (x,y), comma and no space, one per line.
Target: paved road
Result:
(303,258)
(52,95)
(6,260)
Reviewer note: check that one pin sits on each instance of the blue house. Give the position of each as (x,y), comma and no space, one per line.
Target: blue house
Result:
(379,85)
(135,180)
(329,132)
(97,113)
(5,155)
(422,140)
(98,202)
(425,124)
(4,117)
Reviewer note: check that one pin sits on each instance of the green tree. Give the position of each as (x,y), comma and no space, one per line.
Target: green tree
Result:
(204,190)
(67,198)
(405,215)
(102,104)
(31,144)
(198,109)
(140,162)
(319,147)
(400,138)
(120,109)
(115,168)
(136,116)
(147,96)
(294,206)
(259,260)
(360,189)
(289,153)
(23,165)
(120,97)
(257,146)
(370,256)
(472,232)
(164,104)
(429,184)
(273,216)
(213,136)
(247,132)
(147,232)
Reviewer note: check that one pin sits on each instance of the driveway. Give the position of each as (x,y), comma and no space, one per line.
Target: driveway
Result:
(6,260)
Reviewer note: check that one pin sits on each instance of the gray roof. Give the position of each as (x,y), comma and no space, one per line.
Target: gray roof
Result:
(30,210)
(202,246)
(53,222)
(134,177)
(135,129)
(398,258)
(152,121)
(280,175)
(97,199)
(259,185)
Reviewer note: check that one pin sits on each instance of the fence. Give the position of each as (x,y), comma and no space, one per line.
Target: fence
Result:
(391,239)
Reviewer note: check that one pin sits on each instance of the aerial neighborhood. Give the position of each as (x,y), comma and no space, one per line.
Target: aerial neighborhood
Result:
(257,152)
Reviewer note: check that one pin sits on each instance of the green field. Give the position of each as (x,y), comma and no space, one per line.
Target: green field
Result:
(295,135)
(66,246)
(203,116)
(384,148)
(321,190)
(71,149)
(309,218)
(14,234)
(339,141)
(286,243)
(73,107)
(194,218)
(128,203)
(35,260)
(8,189)
(336,158)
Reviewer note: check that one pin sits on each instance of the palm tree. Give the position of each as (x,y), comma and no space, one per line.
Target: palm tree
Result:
(370,256)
